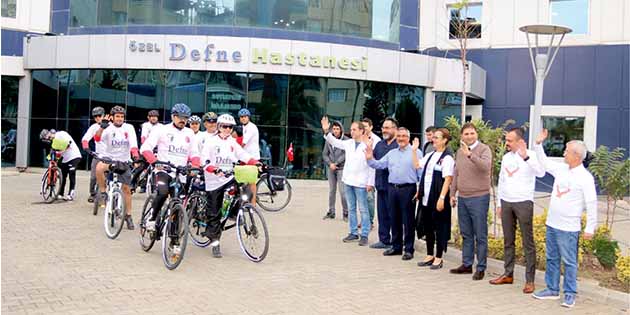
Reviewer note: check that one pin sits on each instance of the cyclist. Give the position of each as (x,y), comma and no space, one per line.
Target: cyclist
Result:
(68,151)
(119,144)
(175,144)
(221,152)
(97,114)
(210,122)
(250,141)
(150,124)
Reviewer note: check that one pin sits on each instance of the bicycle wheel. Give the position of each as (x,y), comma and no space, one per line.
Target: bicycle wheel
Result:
(196,209)
(97,200)
(50,187)
(253,236)
(174,236)
(269,199)
(114,214)
(146,238)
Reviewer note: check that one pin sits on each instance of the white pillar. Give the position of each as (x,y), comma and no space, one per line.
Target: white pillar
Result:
(23,120)
(429,109)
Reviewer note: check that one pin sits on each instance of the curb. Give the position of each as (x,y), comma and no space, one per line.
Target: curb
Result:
(586,287)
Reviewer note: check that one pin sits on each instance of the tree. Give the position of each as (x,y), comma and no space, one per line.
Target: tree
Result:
(611,171)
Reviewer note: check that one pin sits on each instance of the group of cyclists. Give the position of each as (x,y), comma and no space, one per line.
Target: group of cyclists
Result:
(180,142)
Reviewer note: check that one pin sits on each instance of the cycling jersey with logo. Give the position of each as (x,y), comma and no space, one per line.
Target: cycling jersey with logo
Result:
(72,152)
(174,145)
(202,138)
(146,130)
(221,153)
(89,134)
(119,141)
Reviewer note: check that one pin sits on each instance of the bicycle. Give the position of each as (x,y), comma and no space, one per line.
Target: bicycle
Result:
(273,191)
(114,214)
(171,222)
(195,205)
(50,188)
(236,205)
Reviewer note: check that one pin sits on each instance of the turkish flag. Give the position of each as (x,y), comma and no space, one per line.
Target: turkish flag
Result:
(290,152)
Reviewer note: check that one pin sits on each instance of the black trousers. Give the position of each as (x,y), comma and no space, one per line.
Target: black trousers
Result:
(431,238)
(384,217)
(69,169)
(403,216)
(162,189)
(213,211)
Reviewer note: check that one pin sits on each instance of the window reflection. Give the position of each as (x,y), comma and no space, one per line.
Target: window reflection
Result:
(112,12)
(226,92)
(186,87)
(144,12)
(145,91)
(82,13)
(9,103)
(109,88)
(562,130)
(267,98)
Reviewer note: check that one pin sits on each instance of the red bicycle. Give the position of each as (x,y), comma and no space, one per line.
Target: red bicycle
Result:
(50,180)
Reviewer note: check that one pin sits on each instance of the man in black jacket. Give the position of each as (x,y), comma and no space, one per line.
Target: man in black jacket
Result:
(335,158)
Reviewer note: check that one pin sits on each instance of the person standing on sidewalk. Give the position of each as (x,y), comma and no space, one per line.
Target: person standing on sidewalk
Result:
(517,181)
(573,191)
(471,180)
(335,159)
(97,113)
(403,179)
(374,139)
(357,176)
(381,183)
(428,145)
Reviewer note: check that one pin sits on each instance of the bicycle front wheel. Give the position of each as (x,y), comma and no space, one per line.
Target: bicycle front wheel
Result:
(196,208)
(50,185)
(174,237)
(253,236)
(147,238)
(269,199)
(114,214)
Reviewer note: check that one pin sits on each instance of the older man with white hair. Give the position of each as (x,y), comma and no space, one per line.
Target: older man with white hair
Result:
(573,190)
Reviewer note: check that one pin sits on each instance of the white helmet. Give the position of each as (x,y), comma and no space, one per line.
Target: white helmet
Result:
(226,119)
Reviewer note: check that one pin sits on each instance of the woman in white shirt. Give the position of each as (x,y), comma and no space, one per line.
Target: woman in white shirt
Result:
(433,219)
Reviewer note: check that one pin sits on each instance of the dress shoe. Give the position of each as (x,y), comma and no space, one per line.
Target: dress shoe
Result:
(380,245)
(529,288)
(461,269)
(438,266)
(392,252)
(478,275)
(407,256)
(503,280)
(426,263)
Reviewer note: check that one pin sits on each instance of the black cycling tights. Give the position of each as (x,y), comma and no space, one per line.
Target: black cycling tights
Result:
(68,168)
(162,182)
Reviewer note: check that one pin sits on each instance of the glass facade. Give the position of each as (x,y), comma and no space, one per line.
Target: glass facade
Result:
(570,13)
(287,109)
(561,131)
(9,118)
(362,18)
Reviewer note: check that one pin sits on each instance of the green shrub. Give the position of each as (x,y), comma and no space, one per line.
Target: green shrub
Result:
(606,251)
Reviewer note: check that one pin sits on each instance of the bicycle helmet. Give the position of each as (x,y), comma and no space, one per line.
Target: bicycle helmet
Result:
(194,119)
(181,109)
(244,112)
(154,113)
(210,117)
(117,110)
(226,119)
(98,111)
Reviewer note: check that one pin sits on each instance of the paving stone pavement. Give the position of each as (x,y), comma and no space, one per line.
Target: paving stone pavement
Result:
(56,259)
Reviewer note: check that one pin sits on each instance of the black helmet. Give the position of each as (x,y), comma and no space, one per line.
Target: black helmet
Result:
(154,112)
(98,111)
(117,110)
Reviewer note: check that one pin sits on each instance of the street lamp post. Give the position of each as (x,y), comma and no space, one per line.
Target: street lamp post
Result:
(541,62)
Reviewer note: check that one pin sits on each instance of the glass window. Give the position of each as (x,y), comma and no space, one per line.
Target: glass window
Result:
(272,145)
(307,101)
(109,88)
(44,94)
(351,108)
(82,13)
(144,11)
(570,13)
(145,92)
(409,108)
(37,151)
(337,95)
(267,98)
(561,131)
(308,145)
(226,92)
(9,8)
(112,12)
(465,22)
(74,94)
(10,87)
(448,104)
(177,12)
(214,12)
(386,20)
(379,102)
(186,87)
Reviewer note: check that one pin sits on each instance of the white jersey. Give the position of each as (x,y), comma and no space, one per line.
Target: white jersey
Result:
(173,145)
(118,142)
(89,134)
(72,152)
(251,139)
(202,138)
(221,153)
(147,127)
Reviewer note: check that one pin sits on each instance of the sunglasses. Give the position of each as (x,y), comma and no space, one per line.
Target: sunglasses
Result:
(226,127)
(212,121)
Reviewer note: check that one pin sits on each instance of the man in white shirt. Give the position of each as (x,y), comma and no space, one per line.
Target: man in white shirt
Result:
(250,142)
(97,114)
(67,149)
(150,124)
(573,190)
(357,176)
(121,145)
(517,182)
(368,125)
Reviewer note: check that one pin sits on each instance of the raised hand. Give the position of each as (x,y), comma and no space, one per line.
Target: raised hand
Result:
(325,124)
(415,144)
(369,152)
(542,136)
